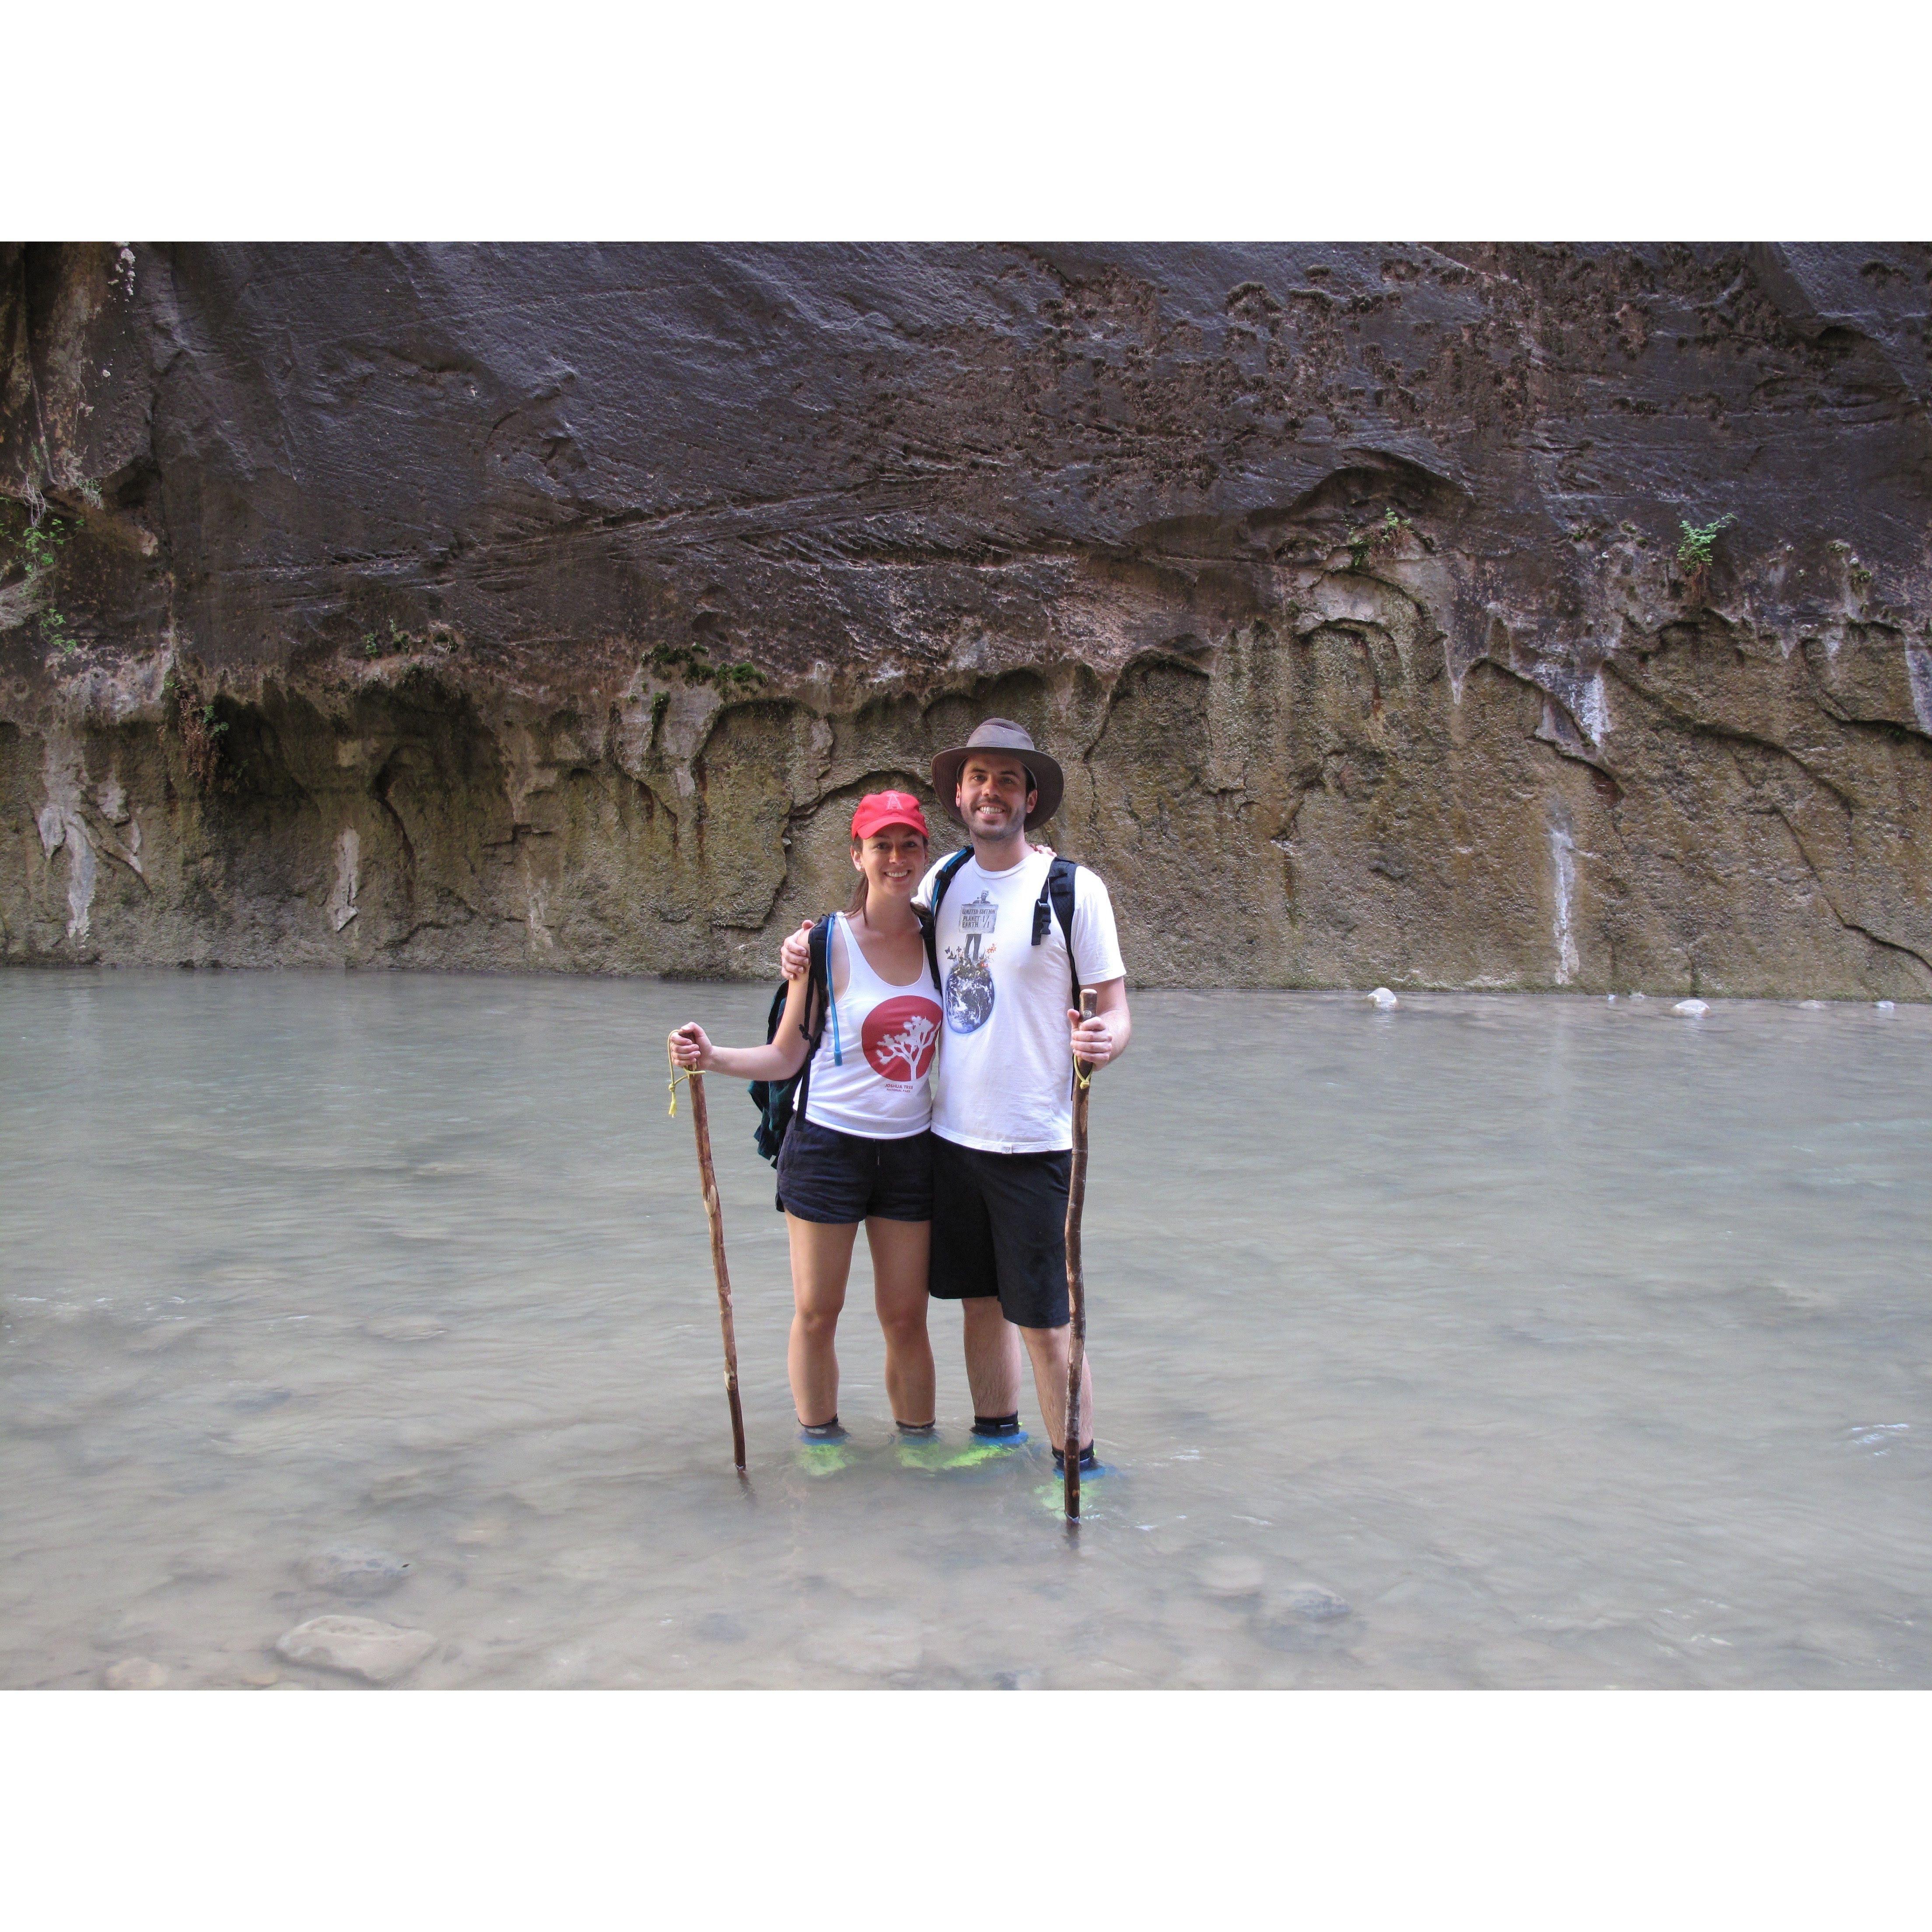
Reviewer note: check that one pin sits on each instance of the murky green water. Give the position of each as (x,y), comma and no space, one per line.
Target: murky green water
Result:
(1503,1342)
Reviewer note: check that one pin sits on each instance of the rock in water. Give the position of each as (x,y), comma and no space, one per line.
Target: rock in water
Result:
(1298,1619)
(377,1652)
(1383,998)
(1314,1605)
(136,1673)
(352,1573)
(1231,1575)
(1691,1009)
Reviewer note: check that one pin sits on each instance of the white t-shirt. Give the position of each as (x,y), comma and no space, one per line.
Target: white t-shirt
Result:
(1006,1069)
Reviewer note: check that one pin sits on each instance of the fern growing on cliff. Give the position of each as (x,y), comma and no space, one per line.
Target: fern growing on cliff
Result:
(1700,542)
(1697,549)
(35,554)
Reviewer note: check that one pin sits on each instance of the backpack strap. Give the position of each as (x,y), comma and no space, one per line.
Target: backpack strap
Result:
(928,930)
(1056,900)
(817,981)
(948,871)
(928,919)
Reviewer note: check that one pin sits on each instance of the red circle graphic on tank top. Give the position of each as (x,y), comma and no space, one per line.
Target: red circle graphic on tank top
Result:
(899,1036)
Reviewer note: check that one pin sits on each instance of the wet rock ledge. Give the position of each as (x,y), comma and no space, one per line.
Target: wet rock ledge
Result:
(549,607)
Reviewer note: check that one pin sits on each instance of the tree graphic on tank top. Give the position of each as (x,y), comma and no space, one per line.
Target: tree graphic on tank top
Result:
(969,986)
(898,1037)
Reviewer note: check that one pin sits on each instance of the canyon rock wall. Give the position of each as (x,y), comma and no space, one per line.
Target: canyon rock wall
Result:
(549,607)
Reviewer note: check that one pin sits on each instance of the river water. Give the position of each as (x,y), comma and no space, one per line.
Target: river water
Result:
(1491,1341)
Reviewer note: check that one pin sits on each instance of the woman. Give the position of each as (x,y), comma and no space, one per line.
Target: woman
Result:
(860,1147)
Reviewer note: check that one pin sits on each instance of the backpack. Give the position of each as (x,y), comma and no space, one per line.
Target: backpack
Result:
(780,1101)
(1055,902)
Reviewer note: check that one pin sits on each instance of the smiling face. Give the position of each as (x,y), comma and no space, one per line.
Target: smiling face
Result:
(995,795)
(892,860)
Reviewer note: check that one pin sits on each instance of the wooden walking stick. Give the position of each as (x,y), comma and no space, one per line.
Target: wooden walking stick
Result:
(1076,1280)
(700,1127)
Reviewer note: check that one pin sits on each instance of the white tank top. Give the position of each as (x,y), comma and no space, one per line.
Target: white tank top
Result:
(869,1075)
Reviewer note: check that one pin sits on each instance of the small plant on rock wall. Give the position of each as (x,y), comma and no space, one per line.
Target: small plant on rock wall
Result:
(1376,539)
(35,554)
(375,644)
(1696,552)
(691,663)
(201,730)
(1856,573)
(46,471)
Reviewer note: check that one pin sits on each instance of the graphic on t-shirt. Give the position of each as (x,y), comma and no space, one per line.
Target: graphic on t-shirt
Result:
(899,1035)
(969,986)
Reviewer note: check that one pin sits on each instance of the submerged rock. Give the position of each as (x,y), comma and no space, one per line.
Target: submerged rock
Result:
(1313,1604)
(1300,1618)
(1231,1575)
(135,1673)
(379,1653)
(352,1573)
(403,1486)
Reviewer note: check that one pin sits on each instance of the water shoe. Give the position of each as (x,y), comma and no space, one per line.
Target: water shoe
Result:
(822,1451)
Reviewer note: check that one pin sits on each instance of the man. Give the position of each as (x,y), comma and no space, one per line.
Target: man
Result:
(1002,1106)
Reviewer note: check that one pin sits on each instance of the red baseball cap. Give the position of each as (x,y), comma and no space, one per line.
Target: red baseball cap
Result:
(888,808)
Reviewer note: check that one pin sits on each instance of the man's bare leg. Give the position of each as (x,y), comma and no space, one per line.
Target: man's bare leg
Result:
(1048,1347)
(993,1357)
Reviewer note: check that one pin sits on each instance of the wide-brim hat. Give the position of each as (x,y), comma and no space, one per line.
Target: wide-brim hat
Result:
(1002,734)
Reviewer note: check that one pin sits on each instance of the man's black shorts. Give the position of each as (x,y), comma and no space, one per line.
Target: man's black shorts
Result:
(824,1175)
(999,1227)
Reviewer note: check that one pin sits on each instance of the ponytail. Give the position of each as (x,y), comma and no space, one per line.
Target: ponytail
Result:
(857,909)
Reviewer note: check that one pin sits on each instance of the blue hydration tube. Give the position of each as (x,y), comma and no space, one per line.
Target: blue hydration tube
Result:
(838,1050)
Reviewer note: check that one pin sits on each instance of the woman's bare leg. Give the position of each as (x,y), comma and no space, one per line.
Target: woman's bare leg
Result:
(821,1258)
(900,1250)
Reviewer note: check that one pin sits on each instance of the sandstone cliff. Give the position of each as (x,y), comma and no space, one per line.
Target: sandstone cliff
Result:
(549,607)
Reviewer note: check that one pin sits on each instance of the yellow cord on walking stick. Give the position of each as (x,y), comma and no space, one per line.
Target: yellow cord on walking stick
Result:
(1083,1069)
(675,1076)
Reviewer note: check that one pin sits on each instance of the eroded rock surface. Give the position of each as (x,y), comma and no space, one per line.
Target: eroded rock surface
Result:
(550,607)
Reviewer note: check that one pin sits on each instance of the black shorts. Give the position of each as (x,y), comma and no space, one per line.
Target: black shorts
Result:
(999,1227)
(824,1175)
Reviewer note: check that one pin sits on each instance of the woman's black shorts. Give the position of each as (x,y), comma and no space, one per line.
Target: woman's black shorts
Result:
(824,1175)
